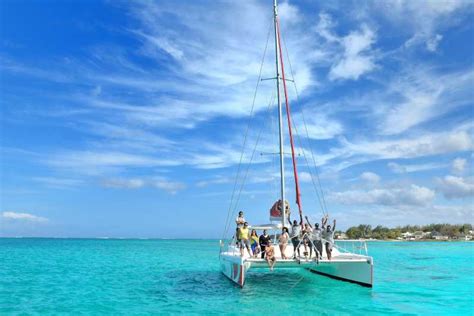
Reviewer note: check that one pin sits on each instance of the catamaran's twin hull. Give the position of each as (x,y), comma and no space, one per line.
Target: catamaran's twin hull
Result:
(234,268)
(356,270)
(360,272)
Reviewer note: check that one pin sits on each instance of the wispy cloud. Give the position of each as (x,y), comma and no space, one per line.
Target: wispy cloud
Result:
(171,187)
(357,56)
(412,195)
(120,183)
(408,168)
(423,21)
(421,95)
(26,217)
(358,59)
(56,182)
(99,162)
(402,215)
(459,165)
(370,177)
(426,144)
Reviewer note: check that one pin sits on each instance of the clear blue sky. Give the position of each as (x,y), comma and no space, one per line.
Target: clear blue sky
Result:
(126,119)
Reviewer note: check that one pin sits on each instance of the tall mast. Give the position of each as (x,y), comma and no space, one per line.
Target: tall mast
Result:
(280,114)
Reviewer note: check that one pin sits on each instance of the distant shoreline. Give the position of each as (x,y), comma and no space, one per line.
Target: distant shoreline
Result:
(217,240)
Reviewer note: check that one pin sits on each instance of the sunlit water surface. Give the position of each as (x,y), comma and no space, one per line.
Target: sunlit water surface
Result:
(139,277)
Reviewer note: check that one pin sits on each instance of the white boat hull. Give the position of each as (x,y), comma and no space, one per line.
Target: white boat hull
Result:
(235,268)
(360,272)
(347,267)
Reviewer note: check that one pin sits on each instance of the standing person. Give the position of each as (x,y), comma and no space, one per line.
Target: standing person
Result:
(236,237)
(244,237)
(264,242)
(329,237)
(254,242)
(240,220)
(307,234)
(283,241)
(295,237)
(316,238)
(270,254)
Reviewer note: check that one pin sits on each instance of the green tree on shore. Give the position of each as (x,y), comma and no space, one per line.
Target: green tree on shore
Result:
(381,232)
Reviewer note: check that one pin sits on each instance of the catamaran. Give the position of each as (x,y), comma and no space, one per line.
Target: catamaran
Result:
(353,265)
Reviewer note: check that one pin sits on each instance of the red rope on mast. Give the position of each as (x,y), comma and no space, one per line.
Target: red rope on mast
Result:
(295,171)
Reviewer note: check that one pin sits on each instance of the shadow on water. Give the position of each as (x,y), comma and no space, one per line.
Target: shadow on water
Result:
(423,258)
(420,268)
(441,277)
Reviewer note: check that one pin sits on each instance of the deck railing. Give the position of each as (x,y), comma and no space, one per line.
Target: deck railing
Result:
(358,247)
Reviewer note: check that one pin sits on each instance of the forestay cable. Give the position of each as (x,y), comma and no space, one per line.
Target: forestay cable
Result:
(228,219)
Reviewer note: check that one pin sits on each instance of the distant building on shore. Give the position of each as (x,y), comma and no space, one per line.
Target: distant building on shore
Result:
(415,236)
(439,236)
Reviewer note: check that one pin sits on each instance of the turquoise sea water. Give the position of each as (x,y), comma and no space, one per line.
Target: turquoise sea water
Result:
(140,277)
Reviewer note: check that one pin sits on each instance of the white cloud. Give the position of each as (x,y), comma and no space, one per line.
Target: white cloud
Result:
(171,187)
(392,216)
(370,177)
(304,176)
(325,28)
(454,187)
(419,95)
(23,217)
(59,183)
(288,13)
(458,165)
(432,43)
(423,19)
(215,180)
(162,183)
(123,183)
(99,162)
(318,125)
(408,168)
(358,59)
(164,44)
(412,195)
(416,146)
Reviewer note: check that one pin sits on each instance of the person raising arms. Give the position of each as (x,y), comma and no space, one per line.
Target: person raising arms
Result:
(329,237)
(316,238)
(295,237)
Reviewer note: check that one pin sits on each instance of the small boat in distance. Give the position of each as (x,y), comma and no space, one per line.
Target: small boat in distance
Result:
(353,266)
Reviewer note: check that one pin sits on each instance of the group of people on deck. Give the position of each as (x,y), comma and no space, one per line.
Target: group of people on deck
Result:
(301,234)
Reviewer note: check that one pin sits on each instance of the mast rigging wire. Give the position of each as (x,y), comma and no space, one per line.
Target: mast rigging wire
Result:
(321,198)
(228,219)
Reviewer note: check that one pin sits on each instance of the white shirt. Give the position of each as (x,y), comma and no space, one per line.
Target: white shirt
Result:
(240,221)
(295,230)
(329,236)
(317,234)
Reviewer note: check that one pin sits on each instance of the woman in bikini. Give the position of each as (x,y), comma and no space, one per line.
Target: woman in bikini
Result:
(283,241)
